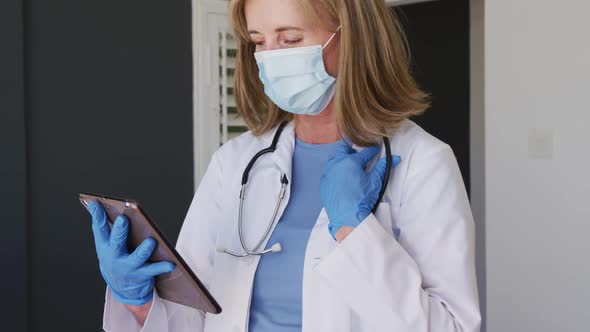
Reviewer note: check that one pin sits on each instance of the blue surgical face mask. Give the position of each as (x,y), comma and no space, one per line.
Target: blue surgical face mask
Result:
(295,79)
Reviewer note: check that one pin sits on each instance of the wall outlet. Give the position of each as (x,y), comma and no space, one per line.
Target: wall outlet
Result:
(541,143)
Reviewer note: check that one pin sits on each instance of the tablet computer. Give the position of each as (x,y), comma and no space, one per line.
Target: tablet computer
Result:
(181,286)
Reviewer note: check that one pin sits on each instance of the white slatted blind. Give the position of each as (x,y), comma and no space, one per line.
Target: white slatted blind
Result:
(231,124)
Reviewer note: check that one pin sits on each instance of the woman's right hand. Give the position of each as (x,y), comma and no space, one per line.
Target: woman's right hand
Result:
(130,276)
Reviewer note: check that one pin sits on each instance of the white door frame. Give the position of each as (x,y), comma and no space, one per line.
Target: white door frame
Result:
(206,133)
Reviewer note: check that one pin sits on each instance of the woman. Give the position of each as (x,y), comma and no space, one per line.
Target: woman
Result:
(329,79)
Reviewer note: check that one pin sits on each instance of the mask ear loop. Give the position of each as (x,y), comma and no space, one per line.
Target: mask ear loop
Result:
(333,35)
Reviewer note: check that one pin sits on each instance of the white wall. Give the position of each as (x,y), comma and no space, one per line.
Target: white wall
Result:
(537,201)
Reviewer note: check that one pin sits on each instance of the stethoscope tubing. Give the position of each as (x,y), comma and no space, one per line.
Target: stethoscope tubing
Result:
(284,183)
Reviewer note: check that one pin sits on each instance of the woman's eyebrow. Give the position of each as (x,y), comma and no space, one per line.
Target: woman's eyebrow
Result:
(280,29)
(287,28)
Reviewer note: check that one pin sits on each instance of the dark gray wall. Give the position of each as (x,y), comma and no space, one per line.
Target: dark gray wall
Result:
(438,33)
(13,278)
(108,88)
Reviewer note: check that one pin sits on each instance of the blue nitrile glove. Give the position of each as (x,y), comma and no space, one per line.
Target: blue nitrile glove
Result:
(129,276)
(348,192)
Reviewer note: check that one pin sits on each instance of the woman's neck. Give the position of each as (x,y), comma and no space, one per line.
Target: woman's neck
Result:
(318,129)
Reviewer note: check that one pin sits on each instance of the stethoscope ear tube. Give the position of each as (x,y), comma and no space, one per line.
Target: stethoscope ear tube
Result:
(271,148)
(388,161)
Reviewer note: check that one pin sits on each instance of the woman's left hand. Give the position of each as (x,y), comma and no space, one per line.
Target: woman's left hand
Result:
(348,192)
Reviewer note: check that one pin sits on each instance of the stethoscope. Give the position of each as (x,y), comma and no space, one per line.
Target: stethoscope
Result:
(284,182)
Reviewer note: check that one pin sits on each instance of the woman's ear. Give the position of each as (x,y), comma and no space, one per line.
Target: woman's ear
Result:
(332,56)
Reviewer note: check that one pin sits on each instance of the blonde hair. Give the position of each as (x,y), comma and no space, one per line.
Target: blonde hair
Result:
(375,90)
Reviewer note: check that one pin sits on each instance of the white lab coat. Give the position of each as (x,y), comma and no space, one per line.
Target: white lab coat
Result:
(410,267)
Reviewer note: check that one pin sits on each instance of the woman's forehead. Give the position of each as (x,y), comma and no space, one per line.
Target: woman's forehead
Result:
(272,15)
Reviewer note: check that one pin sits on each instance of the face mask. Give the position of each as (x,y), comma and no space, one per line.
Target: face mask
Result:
(295,79)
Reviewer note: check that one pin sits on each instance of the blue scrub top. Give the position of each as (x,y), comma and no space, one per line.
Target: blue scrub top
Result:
(278,283)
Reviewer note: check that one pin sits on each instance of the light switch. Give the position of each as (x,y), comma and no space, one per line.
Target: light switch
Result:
(541,143)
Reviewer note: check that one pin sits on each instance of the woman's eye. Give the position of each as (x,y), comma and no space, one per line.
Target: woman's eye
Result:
(291,42)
